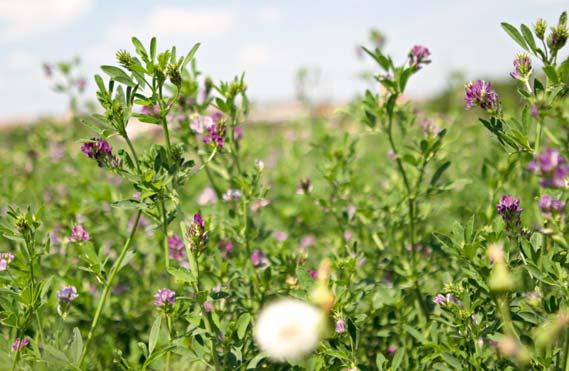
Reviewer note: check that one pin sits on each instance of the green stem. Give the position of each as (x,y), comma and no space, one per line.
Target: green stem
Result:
(566,350)
(538,136)
(165,233)
(166,134)
(107,289)
(192,259)
(125,136)
(411,213)
(169,326)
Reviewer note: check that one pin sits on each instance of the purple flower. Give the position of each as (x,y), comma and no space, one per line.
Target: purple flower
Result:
(215,136)
(226,247)
(164,298)
(280,236)
(208,306)
(207,196)
(509,207)
(232,195)
(348,234)
(549,205)
(480,93)
(522,67)
(5,259)
(551,167)
(391,155)
(307,241)
(19,344)
(447,299)
(67,294)
(176,248)
(391,350)
(81,84)
(151,110)
(429,127)
(99,150)
(419,55)
(238,133)
(47,70)
(258,258)
(340,326)
(313,274)
(200,124)
(79,234)
(534,111)
(259,204)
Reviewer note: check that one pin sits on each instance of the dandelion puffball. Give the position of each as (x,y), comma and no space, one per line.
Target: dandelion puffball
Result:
(289,329)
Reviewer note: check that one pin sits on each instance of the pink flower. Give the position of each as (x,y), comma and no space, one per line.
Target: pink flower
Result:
(79,234)
(19,344)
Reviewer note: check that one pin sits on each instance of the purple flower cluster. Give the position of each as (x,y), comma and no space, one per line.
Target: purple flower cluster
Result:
(164,298)
(419,55)
(215,136)
(549,205)
(447,299)
(480,93)
(151,110)
(551,167)
(67,294)
(522,67)
(19,344)
(99,150)
(79,234)
(226,247)
(510,211)
(176,248)
(5,259)
(258,258)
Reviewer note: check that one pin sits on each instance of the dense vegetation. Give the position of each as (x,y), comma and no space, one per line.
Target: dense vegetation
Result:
(412,236)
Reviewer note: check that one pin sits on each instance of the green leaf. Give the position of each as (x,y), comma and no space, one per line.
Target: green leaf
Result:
(190,55)
(119,75)
(252,365)
(515,35)
(397,359)
(154,332)
(551,74)
(128,257)
(182,275)
(439,172)
(528,37)
(380,360)
(76,346)
(152,48)
(242,324)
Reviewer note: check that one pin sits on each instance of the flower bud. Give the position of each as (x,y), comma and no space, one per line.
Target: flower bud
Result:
(501,279)
(539,28)
(125,59)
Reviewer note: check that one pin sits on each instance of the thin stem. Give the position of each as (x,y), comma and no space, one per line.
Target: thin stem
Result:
(566,350)
(538,136)
(166,134)
(125,136)
(165,233)
(107,289)
(169,326)
(192,259)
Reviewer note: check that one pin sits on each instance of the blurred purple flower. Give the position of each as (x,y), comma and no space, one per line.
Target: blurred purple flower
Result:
(5,259)
(207,196)
(176,248)
(549,205)
(552,167)
(79,234)
(19,344)
(67,294)
(232,195)
(419,55)
(258,258)
(208,306)
(280,236)
(164,298)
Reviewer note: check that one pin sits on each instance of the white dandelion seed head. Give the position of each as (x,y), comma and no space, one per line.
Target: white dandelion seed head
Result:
(289,329)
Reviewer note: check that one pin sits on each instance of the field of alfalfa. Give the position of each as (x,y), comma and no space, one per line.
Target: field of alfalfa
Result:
(392,235)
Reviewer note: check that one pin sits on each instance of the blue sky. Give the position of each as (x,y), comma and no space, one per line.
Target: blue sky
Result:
(269,40)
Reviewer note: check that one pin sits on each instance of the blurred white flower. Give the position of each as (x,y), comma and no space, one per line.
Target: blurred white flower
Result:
(289,329)
(232,195)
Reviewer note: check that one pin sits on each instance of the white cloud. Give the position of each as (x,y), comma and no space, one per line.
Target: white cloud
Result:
(23,18)
(255,55)
(177,21)
(269,15)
